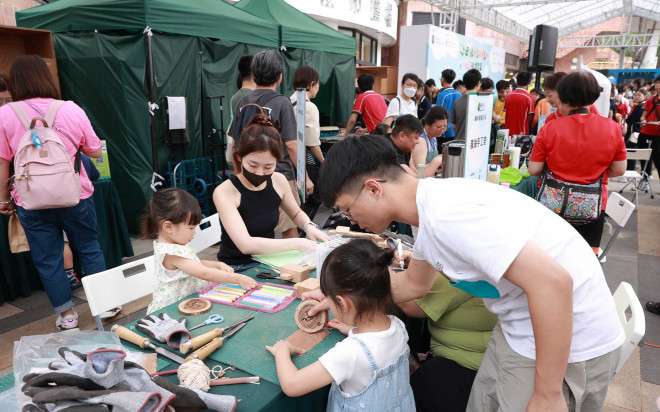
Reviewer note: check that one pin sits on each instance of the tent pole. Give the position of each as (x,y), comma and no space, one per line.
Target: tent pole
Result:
(151,91)
(201,95)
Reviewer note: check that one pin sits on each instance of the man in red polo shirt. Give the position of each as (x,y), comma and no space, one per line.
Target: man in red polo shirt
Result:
(650,133)
(519,106)
(369,104)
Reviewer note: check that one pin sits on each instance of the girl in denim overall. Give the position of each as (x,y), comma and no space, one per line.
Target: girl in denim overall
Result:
(369,369)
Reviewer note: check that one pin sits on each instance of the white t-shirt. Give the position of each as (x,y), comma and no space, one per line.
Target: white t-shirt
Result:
(349,366)
(398,107)
(472,230)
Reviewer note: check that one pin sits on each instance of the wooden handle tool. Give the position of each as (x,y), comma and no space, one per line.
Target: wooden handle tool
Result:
(200,340)
(203,352)
(130,336)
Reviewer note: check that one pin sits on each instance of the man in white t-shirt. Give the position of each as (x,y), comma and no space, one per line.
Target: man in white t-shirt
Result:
(558,329)
(403,103)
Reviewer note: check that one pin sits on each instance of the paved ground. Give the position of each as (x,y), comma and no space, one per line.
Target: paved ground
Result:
(635,258)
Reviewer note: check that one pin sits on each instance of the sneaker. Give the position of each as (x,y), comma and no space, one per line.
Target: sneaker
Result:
(68,322)
(74,282)
(653,307)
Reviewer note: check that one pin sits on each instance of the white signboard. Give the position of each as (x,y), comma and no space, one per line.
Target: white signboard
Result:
(477,135)
(300,148)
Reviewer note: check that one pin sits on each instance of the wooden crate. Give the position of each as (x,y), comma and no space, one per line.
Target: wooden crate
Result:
(386,79)
(18,41)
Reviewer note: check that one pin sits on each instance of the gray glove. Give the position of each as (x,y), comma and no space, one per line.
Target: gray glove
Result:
(165,329)
(69,398)
(191,400)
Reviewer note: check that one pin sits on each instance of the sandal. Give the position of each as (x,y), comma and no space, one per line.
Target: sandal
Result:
(68,322)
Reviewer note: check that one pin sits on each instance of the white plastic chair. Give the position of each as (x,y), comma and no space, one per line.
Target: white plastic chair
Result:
(207,233)
(118,286)
(619,209)
(634,177)
(634,327)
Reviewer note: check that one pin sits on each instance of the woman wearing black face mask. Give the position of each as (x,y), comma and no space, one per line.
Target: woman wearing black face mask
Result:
(248,203)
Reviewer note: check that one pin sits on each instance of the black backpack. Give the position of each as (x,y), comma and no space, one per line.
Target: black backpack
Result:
(249,110)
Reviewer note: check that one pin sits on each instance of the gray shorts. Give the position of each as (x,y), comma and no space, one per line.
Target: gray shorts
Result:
(505,381)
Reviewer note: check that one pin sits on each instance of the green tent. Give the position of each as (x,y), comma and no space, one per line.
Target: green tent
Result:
(298,29)
(113,68)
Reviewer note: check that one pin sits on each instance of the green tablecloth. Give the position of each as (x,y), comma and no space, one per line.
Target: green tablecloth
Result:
(18,276)
(266,396)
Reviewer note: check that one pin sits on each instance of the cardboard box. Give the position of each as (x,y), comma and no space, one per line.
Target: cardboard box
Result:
(18,41)
(385,79)
(103,163)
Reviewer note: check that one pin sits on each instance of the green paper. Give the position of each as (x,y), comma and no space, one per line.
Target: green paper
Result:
(277,260)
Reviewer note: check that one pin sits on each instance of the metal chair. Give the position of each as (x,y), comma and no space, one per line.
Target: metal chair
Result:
(207,233)
(118,286)
(639,180)
(631,316)
(619,209)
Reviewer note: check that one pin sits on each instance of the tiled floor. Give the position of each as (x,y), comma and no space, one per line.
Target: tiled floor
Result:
(635,258)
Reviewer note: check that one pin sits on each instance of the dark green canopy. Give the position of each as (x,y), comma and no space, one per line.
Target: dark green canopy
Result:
(298,29)
(202,18)
(102,56)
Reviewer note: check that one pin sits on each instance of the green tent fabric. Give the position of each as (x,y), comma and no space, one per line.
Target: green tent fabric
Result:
(101,55)
(201,18)
(298,29)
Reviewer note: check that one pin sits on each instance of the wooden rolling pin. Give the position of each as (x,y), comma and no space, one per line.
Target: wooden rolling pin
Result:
(371,236)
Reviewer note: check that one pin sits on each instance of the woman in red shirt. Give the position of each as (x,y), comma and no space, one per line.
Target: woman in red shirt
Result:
(650,133)
(580,146)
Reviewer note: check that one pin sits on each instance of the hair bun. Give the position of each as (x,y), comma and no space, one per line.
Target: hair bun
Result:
(384,257)
(262,120)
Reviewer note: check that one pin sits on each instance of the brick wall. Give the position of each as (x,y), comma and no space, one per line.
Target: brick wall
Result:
(9,7)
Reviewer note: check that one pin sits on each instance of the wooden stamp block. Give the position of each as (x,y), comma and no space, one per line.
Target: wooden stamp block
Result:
(298,273)
(306,286)
(343,229)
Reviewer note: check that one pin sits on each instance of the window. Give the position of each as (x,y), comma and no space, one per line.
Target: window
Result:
(438,19)
(366,47)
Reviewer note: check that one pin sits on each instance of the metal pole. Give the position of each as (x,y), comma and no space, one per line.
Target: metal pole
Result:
(151,92)
(201,96)
(622,58)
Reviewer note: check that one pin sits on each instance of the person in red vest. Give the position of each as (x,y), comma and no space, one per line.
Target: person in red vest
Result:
(519,106)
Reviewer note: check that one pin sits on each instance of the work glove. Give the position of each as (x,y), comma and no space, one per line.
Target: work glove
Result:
(190,399)
(100,369)
(165,329)
(71,398)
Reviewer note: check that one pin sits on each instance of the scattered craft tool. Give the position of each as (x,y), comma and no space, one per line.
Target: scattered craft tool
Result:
(396,245)
(267,276)
(202,340)
(194,306)
(203,352)
(233,381)
(266,297)
(213,319)
(130,336)
(308,323)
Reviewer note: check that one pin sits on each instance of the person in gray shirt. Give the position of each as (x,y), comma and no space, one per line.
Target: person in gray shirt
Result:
(267,68)
(458,117)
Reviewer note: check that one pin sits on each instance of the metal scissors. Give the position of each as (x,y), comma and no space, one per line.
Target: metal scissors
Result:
(210,320)
(267,276)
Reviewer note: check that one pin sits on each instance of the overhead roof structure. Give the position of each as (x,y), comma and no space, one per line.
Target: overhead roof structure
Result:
(517,18)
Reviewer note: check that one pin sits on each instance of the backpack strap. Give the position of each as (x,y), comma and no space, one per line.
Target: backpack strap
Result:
(22,114)
(52,111)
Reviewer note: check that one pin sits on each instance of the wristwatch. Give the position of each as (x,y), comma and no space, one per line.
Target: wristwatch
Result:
(310,223)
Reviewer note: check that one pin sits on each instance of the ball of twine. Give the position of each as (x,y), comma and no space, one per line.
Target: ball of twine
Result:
(195,374)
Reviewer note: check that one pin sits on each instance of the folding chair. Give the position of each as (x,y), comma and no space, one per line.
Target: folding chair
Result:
(638,180)
(118,286)
(619,209)
(207,233)
(632,319)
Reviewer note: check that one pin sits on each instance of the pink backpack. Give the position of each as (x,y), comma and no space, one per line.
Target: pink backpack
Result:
(44,174)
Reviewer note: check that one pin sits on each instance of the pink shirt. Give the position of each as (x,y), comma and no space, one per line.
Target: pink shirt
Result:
(70,118)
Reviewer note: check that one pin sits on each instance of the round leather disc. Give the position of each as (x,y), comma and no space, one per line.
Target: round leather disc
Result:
(194,306)
(308,323)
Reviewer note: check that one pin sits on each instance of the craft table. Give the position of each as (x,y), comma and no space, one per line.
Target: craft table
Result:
(246,350)
(527,186)
(19,277)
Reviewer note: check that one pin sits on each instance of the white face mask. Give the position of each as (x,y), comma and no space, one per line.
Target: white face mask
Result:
(409,91)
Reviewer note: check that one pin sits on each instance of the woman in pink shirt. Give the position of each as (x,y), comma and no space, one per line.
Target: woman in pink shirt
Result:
(31,84)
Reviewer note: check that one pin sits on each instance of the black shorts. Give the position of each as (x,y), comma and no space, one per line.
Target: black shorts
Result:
(592,232)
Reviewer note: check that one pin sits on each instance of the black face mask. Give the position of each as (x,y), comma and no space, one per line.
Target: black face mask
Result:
(255,179)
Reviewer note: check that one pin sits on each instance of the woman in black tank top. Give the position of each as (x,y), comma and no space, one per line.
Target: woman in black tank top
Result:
(248,203)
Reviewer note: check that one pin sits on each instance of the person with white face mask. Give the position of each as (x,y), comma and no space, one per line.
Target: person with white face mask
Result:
(405,102)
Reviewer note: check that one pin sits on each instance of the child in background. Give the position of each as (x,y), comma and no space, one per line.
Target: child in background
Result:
(369,369)
(172,216)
